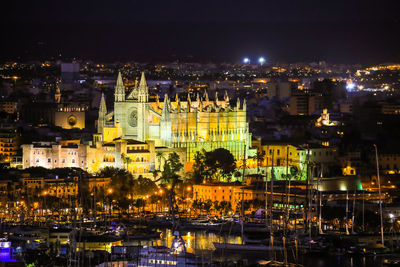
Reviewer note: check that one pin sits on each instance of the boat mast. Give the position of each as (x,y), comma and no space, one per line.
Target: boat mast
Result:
(380,195)
(307,192)
(287,188)
(266,191)
(320,202)
(272,190)
(243,184)
(272,206)
(363,203)
(347,211)
(353,218)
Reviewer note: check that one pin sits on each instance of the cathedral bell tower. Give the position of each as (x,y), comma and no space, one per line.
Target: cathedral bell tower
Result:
(120,104)
(102,115)
(142,109)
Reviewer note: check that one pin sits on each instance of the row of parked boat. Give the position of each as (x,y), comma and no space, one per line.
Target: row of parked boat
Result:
(116,241)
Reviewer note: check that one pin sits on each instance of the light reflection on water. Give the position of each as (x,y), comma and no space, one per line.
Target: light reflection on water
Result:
(201,244)
(199,240)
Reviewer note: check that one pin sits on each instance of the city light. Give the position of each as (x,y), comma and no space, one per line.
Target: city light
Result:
(261,60)
(246,60)
(350,86)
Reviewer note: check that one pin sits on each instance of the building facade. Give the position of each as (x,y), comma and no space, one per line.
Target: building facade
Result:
(9,143)
(189,124)
(54,155)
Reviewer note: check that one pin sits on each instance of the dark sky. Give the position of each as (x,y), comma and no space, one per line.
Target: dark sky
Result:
(282,30)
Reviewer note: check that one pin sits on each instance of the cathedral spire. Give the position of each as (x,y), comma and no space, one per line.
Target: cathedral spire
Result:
(216,99)
(244,104)
(238,104)
(226,97)
(165,109)
(178,103)
(102,107)
(143,83)
(143,89)
(119,94)
(189,103)
(206,96)
(102,114)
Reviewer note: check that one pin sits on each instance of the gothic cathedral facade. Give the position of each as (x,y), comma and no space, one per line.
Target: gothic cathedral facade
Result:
(193,125)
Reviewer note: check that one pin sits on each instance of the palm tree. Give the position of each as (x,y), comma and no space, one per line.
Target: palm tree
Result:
(126,160)
(160,156)
(170,176)
(260,158)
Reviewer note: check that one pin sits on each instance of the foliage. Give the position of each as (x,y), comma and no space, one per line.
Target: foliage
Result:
(122,184)
(144,186)
(220,162)
(170,177)
(199,167)
(213,165)
(171,168)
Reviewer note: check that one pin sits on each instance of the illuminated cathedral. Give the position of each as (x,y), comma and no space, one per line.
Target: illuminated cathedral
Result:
(192,124)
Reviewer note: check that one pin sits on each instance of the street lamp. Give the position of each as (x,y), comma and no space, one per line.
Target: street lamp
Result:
(261,60)
(246,60)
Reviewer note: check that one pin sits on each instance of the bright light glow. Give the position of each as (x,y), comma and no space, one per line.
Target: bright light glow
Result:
(246,60)
(350,86)
(5,244)
(391,215)
(261,60)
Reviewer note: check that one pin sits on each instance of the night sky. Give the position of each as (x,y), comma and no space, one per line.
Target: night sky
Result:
(147,31)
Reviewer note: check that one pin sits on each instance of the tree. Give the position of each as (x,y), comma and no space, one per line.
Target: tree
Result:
(206,206)
(126,160)
(260,158)
(170,177)
(220,163)
(144,186)
(225,206)
(121,184)
(199,167)
(160,156)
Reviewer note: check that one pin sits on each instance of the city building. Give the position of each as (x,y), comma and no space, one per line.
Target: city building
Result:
(292,159)
(70,115)
(70,153)
(389,163)
(10,140)
(8,107)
